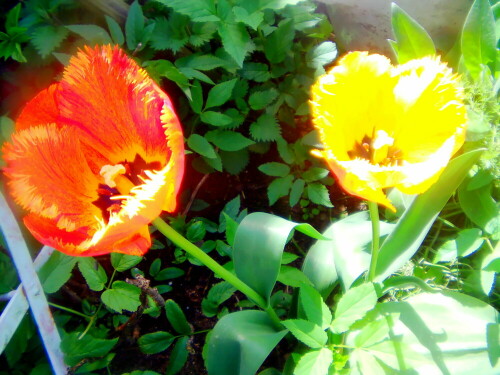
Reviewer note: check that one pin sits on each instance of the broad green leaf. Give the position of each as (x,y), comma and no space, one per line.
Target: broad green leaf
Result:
(275,169)
(235,161)
(200,145)
(165,68)
(178,356)
(314,307)
(196,10)
(279,188)
(321,55)
(218,294)
(315,174)
(240,342)
(169,273)
(296,191)
(276,4)
(94,274)
(318,193)
(431,329)
(216,119)
(46,39)
(306,332)
(468,241)
(122,296)
(134,26)
(258,244)
(220,93)
(262,99)
(253,19)
(292,276)
(115,30)
(177,319)
(91,33)
(152,343)
(228,140)
(413,42)
(353,305)
(56,271)
(76,348)
(266,128)
(235,40)
(200,62)
(279,42)
(155,267)
(257,72)
(413,226)
(123,262)
(479,38)
(314,362)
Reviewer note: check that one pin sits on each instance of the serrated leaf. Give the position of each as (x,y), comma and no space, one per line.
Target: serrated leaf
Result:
(216,118)
(178,356)
(296,191)
(266,128)
(134,26)
(279,188)
(170,34)
(220,93)
(46,39)
(235,161)
(122,296)
(251,19)
(306,332)
(115,30)
(202,33)
(236,41)
(93,272)
(197,10)
(353,305)
(279,42)
(314,362)
(261,99)
(56,271)
(91,33)
(228,140)
(315,174)
(275,169)
(123,262)
(200,145)
(318,194)
(314,307)
(76,348)
(177,319)
(321,55)
(257,72)
(152,343)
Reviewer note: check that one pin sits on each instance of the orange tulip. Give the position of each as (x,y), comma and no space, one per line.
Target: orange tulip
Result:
(388,126)
(96,157)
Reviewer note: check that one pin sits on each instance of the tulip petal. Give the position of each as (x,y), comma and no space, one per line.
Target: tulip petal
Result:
(40,110)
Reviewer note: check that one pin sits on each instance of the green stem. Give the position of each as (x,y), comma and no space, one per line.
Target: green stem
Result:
(67,309)
(374,217)
(208,261)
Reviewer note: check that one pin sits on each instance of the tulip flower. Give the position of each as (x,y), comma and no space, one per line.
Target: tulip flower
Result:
(96,157)
(388,126)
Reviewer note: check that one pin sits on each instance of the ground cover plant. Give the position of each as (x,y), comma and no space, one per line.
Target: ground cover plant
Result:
(229,194)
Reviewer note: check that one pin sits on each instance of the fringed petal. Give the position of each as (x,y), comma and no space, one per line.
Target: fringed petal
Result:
(40,110)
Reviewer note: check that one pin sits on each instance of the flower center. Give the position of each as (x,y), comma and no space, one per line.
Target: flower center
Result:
(378,149)
(118,181)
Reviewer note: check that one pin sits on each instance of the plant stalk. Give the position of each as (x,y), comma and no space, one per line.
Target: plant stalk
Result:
(375,219)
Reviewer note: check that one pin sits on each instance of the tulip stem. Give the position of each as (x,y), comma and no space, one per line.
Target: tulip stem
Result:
(375,219)
(208,261)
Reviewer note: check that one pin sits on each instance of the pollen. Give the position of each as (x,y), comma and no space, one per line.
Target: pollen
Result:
(111,172)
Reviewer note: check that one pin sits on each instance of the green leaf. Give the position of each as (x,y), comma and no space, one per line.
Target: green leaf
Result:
(261,99)
(253,20)
(115,30)
(235,40)
(46,39)
(56,271)
(277,4)
(94,274)
(178,356)
(467,242)
(91,33)
(315,174)
(169,273)
(76,348)
(218,294)
(296,191)
(201,33)
(257,72)
(266,128)
(122,296)
(177,319)
(216,119)
(200,62)
(156,342)
(228,140)
(293,277)
(275,169)
(314,307)
(321,55)
(306,332)
(314,362)
(12,18)
(279,188)
(196,101)
(165,68)
(353,305)
(258,244)
(220,94)
(155,267)
(413,42)
(197,10)
(134,26)
(279,42)
(318,193)
(170,34)
(235,161)
(240,342)
(123,262)
(199,144)
(479,38)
